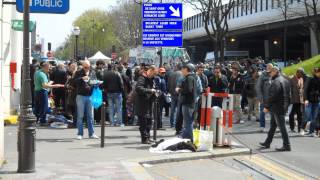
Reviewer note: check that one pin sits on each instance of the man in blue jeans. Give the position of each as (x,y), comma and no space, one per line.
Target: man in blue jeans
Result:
(312,99)
(41,86)
(188,92)
(113,86)
(262,88)
(83,86)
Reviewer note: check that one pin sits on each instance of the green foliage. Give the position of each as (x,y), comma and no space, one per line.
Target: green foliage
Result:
(307,65)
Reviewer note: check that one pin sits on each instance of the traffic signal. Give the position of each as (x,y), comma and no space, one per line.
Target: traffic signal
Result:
(49,46)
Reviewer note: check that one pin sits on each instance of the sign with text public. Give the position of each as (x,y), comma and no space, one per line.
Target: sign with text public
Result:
(46,6)
(162,25)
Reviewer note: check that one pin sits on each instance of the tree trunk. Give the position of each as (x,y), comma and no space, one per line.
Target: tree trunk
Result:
(285,30)
(216,51)
(222,50)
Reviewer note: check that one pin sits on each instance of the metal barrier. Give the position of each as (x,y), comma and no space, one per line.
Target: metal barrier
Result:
(216,119)
(103,124)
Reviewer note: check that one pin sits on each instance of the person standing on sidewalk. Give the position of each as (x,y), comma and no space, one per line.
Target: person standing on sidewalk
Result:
(59,76)
(188,92)
(161,85)
(145,91)
(277,104)
(41,87)
(84,89)
(297,99)
(262,88)
(312,99)
(113,86)
(235,88)
(174,80)
(251,93)
(218,83)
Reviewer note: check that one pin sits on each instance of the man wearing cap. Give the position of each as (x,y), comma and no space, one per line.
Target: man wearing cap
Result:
(188,92)
(161,85)
(41,87)
(277,104)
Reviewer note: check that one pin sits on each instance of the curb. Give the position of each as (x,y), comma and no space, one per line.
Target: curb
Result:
(215,153)
(136,167)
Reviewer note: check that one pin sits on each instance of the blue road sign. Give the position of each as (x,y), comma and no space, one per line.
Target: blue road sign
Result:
(46,6)
(162,39)
(162,10)
(161,25)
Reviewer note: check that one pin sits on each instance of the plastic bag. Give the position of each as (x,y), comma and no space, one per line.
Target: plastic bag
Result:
(96,97)
(203,140)
(168,98)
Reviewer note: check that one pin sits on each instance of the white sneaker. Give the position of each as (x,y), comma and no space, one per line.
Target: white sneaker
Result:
(263,130)
(302,133)
(122,125)
(315,135)
(94,137)
(79,137)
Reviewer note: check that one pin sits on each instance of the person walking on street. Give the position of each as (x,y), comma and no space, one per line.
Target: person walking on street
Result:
(262,88)
(277,104)
(145,91)
(71,94)
(113,86)
(41,87)
(82,81)
(188,92)
(297,99)
(312,99)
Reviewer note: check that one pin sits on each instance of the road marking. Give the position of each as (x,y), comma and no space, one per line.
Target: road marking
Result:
(163,174)
(274,168)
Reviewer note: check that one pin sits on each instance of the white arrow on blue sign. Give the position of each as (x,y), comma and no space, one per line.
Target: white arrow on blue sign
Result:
(162,10)
(46,6)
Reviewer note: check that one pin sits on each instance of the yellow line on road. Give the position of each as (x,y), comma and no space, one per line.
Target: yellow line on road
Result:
(274,168)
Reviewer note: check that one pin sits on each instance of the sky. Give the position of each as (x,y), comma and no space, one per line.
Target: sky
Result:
(54,28)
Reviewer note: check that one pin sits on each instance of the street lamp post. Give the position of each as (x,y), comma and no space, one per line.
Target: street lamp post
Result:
(76,32)
(27,121)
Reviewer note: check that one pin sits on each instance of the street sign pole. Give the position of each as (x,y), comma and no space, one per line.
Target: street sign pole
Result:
(27,129)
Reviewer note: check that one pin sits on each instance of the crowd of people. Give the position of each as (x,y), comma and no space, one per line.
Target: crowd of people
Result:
(131,92)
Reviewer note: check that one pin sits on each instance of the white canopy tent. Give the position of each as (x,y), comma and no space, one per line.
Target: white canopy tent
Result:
(99,56)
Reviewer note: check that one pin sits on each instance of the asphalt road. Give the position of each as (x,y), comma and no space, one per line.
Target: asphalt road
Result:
(301,163)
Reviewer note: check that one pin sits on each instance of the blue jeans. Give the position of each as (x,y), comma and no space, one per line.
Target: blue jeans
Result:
(84,108)
(41,105)
(115,106)
(262,117)
(187,113)
(173,110)
(312,111)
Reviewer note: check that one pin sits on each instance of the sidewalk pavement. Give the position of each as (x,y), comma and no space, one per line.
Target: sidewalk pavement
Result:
(60,156)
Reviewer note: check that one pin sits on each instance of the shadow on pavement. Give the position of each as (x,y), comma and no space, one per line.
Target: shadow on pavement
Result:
(113,144)
(56,140)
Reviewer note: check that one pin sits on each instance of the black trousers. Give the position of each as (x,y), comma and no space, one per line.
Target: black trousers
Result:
(278,120)
(145,127)
(59,96)
(296,110)
(179,118)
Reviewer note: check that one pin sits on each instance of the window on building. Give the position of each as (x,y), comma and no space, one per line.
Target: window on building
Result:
(246,1)
(256,5)
(267,4)
(261,5)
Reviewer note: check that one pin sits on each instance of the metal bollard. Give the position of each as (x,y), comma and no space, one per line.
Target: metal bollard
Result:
(216,126)
(103,123)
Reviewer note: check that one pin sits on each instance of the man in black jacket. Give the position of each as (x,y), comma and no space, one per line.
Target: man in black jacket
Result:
(113,86)
(277,104)
(312,99)
(84,89)
(59,76)
(236,88)
(218,83)
(145,90)
(188,92)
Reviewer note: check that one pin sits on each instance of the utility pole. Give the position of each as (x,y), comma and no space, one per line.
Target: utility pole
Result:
(27,121)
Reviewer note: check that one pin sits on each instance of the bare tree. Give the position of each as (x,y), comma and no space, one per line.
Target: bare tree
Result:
(312,8)
(215,18)
(284,7)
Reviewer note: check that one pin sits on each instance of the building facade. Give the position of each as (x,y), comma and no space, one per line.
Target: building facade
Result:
(257,26)
(10,51)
